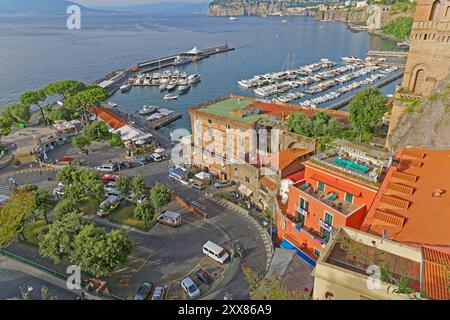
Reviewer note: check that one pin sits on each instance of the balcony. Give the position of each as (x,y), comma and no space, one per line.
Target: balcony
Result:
(330,200)
(315,235)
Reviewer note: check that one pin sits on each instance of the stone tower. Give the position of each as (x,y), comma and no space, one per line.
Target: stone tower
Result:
(429,55)
(428,59)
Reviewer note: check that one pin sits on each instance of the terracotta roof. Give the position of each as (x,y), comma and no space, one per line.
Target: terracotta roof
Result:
(287,156)
(417,191)
(436,274)
(113,120)
(267,182)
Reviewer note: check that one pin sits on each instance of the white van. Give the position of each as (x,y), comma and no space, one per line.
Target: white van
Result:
(157,157)
(215,252)
(109,168)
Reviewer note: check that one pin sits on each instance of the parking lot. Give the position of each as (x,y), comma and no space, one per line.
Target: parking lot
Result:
(166,255)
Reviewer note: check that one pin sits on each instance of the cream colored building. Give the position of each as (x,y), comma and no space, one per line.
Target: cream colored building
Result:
(342,272)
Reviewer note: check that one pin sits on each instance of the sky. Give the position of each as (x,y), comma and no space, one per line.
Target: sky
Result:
(123,3)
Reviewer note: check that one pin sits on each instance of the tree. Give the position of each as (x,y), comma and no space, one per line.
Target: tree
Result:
(64,89)
(145,212)
(319,125)
(60,238)
(116,140)
(97,131)
(123,184)
(81,182)
(137,187)
(66,206)
(67,175)
(14,213)
(366,109)
(81,142)
(160,195)
(44,202)
(5,123)
(83,101)
(19,113)
(98,252)
(36,97)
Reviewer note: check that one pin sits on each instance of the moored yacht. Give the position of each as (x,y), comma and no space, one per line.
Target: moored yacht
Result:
(184,87)
(148,109)
(170,97)
(125,88)
(194,78)
(233,19)
(351,59)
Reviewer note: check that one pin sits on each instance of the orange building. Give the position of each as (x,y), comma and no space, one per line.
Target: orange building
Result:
(413,204)
(337,189)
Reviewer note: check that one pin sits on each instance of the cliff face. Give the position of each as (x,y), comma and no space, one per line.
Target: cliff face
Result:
(254,7)
(375,17)
(428,125)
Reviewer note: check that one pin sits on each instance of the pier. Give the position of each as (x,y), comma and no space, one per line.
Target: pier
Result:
(342,103)
(388,53)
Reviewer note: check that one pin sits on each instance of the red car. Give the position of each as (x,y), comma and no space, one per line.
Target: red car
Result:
(110,177)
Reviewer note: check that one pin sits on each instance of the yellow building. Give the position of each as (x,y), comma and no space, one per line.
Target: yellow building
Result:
(352,264)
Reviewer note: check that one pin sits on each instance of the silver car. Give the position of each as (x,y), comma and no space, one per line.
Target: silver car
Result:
(190,288)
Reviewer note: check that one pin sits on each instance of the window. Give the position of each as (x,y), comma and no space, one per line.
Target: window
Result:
(317,253)
(321,186)
(328,219)
(348,197)
(247,179)
(304,204)
(385,234)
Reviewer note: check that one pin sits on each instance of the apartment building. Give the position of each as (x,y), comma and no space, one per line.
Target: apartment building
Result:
(245,140)
(336,188)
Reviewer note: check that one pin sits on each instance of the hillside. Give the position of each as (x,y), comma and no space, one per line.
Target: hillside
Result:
(257,7)
(166,7)
(427,124)
(38,7)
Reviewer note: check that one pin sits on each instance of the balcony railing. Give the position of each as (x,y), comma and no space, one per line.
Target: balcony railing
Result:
(341,206)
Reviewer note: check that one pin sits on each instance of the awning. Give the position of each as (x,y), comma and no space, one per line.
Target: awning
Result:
(203,176)
(245,190)
(193,51)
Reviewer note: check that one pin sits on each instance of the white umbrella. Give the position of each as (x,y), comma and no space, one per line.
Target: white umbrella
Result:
(160,150)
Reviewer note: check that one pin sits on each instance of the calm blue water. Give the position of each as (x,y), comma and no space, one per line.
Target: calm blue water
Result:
(37,50)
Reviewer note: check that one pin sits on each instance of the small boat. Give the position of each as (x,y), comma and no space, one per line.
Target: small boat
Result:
(194,78)
(172,85)
(147,109)
(351,59)
(284,21)
(183,87)
(163,86)
(180,60)
(170,97)
(125,88)
(233,19)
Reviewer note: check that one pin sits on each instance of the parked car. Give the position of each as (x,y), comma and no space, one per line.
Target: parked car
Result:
(215,252)
(143,160)
(110,186)
(131,198)
(143,291)
(157,157)
(170,218)
(190,288)
(111,200)
(110,177)
(222,184)
(203,276)
(108,167)
(158,293)
(198,185)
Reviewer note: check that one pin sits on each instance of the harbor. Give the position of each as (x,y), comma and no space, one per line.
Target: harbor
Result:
(325,80)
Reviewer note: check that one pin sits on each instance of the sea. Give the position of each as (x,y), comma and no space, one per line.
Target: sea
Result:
(36,50)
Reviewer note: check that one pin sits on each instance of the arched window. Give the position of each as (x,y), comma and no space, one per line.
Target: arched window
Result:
(447,12)
(435,10)
(418,81)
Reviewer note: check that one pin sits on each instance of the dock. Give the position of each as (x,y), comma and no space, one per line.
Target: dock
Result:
(148,126)
(342,103)
(388,53)
(113,85)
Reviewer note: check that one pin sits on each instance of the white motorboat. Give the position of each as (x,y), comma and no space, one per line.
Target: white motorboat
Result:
(148,109)
(184,88)
(233,19)
(170,97)
(351,59)
(125,88)
(194,78)
(163,86)
(172,85)
(181,60)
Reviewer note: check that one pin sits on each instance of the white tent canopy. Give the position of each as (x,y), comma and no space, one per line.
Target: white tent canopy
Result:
(128,132)
(194,51)
(143,137)
(203,176)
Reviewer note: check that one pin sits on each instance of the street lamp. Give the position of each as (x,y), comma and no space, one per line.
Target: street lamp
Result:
(25,293)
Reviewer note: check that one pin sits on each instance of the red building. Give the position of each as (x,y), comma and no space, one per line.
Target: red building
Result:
(336,189)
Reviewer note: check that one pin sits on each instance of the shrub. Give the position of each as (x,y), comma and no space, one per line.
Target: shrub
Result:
(16,162)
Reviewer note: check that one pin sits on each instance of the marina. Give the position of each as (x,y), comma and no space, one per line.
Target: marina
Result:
(324,77)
